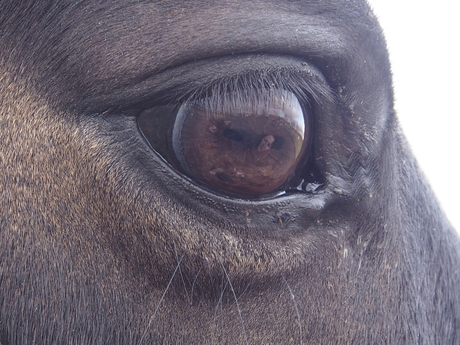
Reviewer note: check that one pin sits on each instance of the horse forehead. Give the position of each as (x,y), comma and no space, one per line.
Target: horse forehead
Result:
(117,42)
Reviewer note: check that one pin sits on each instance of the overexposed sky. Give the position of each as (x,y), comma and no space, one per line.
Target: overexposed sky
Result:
(423,38)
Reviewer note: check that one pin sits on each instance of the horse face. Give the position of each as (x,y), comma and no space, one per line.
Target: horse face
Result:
(212,172)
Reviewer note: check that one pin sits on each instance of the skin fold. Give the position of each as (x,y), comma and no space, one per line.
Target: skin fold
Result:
(105,240)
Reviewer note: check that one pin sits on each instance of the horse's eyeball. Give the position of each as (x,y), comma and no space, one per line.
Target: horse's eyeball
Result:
(246,144)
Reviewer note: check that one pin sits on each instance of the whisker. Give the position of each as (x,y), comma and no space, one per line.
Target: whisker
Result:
(296,309)
(161,300)
(219,304)
(236,301)
(193,285)
(182,276)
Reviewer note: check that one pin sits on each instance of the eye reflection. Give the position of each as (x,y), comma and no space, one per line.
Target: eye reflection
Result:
(247,144)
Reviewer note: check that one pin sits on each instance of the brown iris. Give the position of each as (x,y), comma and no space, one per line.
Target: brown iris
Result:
(248,144)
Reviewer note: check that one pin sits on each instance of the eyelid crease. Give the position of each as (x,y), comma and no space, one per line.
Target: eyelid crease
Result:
(252,73)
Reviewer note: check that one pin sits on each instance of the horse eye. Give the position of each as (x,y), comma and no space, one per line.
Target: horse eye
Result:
(243,143)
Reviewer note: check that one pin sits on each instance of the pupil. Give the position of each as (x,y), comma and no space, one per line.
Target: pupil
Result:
(232,134)
(246,144)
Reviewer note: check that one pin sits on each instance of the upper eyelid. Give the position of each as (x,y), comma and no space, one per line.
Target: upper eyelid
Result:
(308,91)
(199,78)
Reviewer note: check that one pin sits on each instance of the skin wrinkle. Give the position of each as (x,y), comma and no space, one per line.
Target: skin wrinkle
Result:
(145,48)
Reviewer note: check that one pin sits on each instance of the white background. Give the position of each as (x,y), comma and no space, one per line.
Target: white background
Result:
(423,38)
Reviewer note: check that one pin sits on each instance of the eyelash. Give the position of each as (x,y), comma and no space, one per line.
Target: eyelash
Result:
(307,89)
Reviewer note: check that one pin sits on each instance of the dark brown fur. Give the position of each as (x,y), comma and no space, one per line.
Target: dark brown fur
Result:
(103,243)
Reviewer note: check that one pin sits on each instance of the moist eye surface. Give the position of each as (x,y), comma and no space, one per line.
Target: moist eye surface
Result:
(240,143)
